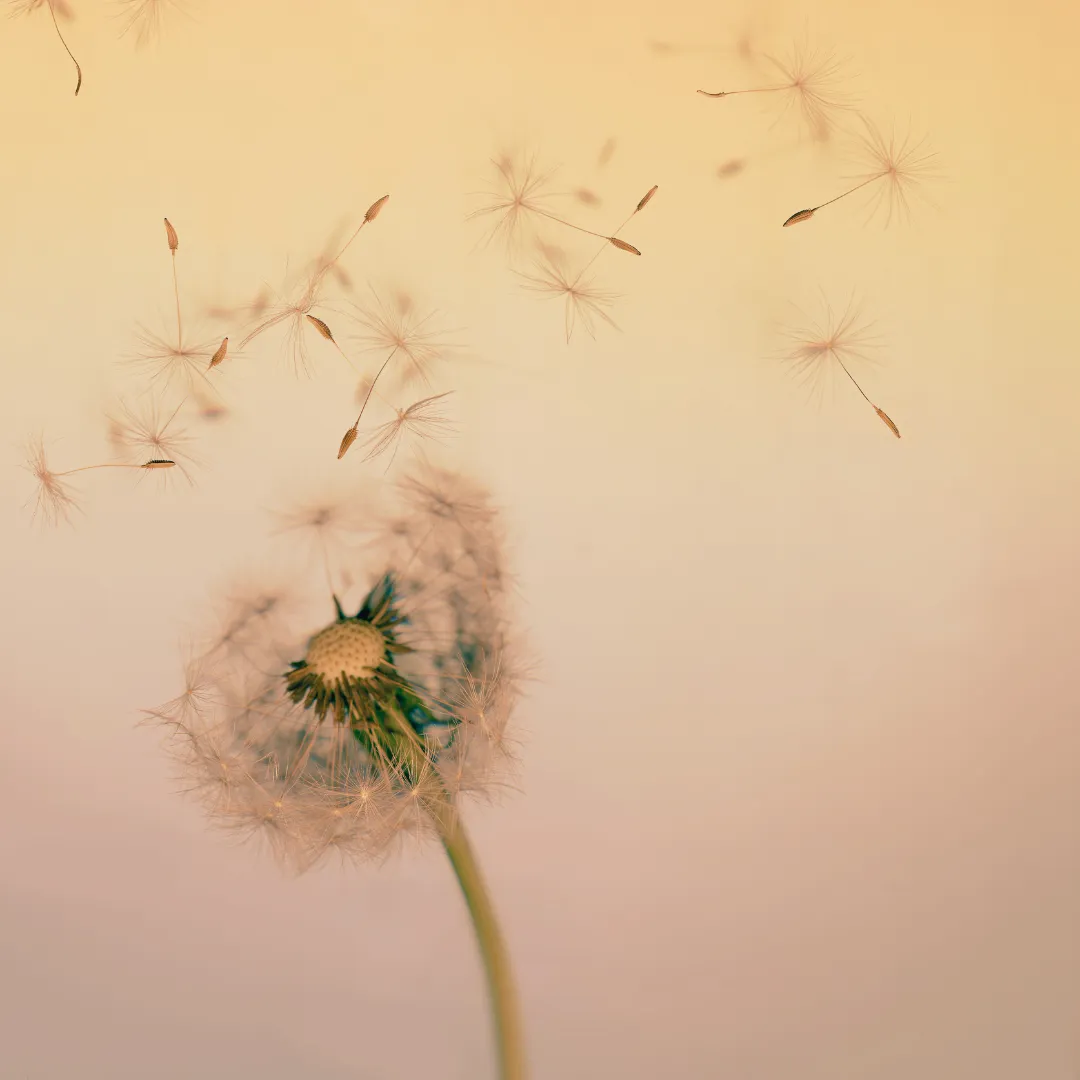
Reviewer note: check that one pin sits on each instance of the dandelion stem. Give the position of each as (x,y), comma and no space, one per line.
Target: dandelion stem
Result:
(367,396)
(600,251)
(107,465)
(850,191)
(754,90)
(78,70)
(176,293)
(508,1033)
(329,265)
(853,382)
(570,225)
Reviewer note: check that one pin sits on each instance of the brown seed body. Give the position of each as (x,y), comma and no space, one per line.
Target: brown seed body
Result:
(321,327)
(347,441)
(802,215)
(374,208)
(622,245)
(220,354)
(646,198)
(158,463)
(888,422)
(170,235)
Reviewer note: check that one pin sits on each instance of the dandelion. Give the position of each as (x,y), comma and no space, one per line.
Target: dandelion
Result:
(808,81)
(296,313)
(388,714)
(520,191)
(175,361)
(584,301)
(55,500)
(422,420)
(146,432)
(401,329)
(144,18)
(56,8)
(520,194)
(819,344)
(896,167)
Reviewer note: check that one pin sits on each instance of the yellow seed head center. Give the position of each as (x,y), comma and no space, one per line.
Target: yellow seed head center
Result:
(354,648)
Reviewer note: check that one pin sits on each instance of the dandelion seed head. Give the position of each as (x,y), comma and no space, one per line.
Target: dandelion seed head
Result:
(422,419)
(388,325)
(173,365)
(54,500)
(813,78)
(585,302)
(829,339)
(384,715)
(519,191)
(895,169)
(146,431)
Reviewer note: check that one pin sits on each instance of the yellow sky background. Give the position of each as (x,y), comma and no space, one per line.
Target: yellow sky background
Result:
(800,786)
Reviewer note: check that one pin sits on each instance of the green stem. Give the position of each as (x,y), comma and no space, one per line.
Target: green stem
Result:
(504,1007)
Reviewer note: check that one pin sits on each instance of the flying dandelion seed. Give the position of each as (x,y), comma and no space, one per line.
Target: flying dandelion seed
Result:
(382,722)
(422,420)
(519,196)
(808,81)
(396,326)
(174,361)
(296,313)
(55,500)
(585,303)
(145,432)
(57,9)
(820,346)
(896,167)
(520,193)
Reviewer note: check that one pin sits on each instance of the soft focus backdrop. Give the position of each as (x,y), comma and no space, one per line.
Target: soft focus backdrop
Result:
(801,788)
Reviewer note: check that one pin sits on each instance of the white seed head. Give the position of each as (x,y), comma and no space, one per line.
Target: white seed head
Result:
(353,648)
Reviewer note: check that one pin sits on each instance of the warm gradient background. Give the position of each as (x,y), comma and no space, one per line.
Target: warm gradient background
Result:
(802,775)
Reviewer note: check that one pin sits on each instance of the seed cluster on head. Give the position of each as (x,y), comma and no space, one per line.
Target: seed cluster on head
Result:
(348,649)
(384,716)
